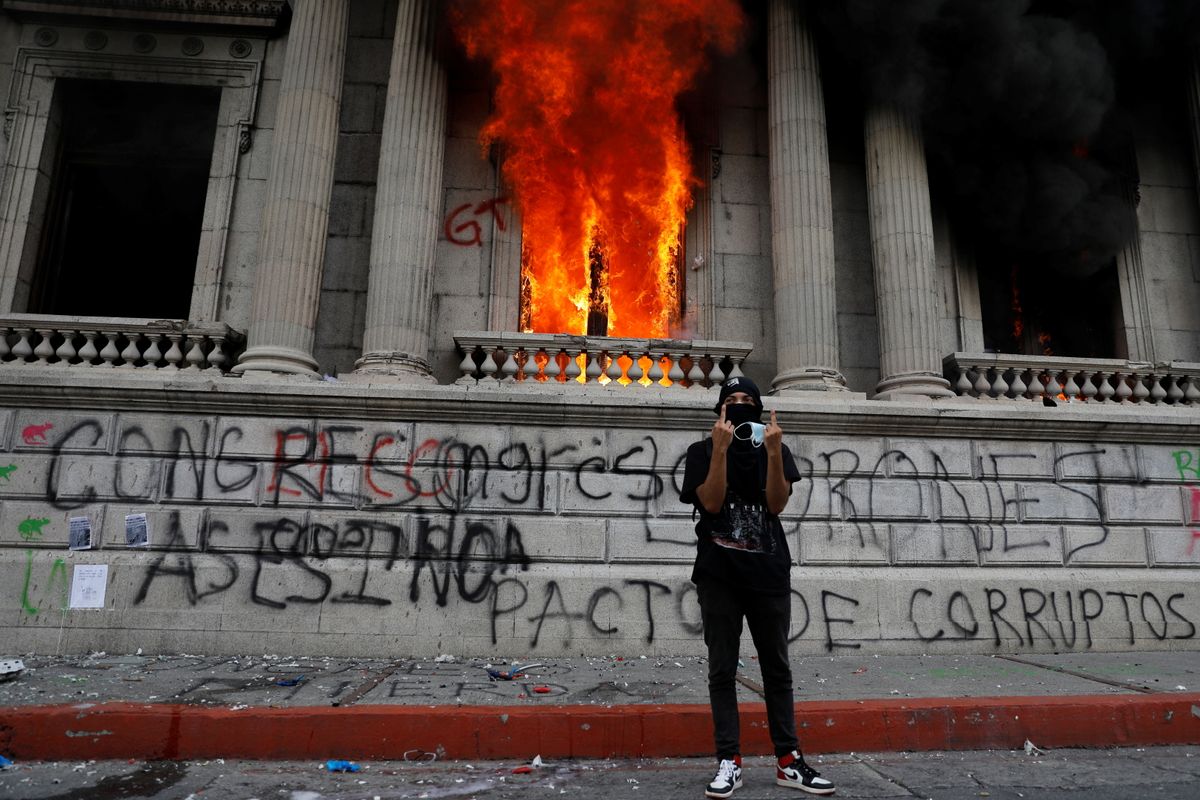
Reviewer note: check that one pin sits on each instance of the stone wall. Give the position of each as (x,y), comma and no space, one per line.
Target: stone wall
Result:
(376,520)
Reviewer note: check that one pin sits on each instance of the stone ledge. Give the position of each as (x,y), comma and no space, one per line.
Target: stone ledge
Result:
(661,408)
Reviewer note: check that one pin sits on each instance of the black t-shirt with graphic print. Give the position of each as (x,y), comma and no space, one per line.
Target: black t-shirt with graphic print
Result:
(744,544)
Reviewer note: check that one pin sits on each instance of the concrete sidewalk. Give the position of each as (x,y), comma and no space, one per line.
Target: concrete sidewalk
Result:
(135,706)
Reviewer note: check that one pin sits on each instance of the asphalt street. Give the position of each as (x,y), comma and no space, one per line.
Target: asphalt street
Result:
(1169,773)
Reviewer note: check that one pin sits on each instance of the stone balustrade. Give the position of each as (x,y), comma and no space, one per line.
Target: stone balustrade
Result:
(1091,380)
(538,358)
(50,340)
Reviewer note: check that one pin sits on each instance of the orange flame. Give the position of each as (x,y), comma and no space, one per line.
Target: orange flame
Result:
(594,147)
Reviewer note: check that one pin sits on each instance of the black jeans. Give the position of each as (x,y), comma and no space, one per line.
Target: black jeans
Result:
(768,617)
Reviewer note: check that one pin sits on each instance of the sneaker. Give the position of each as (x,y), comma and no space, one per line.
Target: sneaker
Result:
(793,772)
(729,777)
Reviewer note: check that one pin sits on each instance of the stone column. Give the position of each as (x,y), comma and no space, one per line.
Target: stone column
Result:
(295,217)
(906,297)
(806,337)
(408,194)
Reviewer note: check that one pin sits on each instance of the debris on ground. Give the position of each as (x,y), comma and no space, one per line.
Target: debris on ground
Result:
(859,671)
(5,763)
(10,668)
(337,765)
(542,689)
(296,681)
(509,675)
(1032,749)
(445,658)
(530,767)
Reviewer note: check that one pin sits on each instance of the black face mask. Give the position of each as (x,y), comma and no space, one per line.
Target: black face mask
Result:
(739,413)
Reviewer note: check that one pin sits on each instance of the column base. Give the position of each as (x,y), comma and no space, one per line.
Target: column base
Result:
(912,385)
(808,379)
(284,360)
(398,367)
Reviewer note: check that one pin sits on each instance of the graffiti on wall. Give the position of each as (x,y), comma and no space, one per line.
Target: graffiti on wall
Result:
(438,521)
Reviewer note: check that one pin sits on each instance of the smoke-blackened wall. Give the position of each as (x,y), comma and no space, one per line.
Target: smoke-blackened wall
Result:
(1025,107)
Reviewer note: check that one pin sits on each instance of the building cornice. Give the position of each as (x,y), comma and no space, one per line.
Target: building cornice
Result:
(264,15)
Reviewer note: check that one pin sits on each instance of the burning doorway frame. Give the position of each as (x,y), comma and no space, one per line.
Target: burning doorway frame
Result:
(697,277)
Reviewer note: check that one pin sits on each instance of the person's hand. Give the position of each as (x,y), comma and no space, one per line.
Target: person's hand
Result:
(773,436)
(722,433)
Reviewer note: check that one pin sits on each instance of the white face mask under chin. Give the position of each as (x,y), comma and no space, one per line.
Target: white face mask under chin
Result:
(755,437)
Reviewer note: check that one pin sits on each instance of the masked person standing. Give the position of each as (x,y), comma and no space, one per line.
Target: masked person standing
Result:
(739,480)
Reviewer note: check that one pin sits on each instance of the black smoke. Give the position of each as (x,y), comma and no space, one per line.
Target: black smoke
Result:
(1026,108)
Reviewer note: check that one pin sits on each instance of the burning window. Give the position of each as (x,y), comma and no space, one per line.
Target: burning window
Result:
(595,154)
(1034,309)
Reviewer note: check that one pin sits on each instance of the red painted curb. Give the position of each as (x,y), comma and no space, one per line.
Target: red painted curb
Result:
(126,730)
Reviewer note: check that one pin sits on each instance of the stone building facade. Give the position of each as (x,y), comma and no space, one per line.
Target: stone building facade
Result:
(331,427)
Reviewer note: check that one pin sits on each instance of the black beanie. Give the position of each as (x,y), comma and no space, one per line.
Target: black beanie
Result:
(738,384)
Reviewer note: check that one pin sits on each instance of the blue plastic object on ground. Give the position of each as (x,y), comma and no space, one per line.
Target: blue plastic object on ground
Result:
(337,765)
(5,763)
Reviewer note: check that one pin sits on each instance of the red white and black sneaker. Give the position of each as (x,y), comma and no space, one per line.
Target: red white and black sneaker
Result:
(729,777)
(793,772)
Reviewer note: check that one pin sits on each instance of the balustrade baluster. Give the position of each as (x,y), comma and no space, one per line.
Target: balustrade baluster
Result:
(983,386)
(153,353)
(1190,392)
(1018,388)
(44,351)
(1174,390)
(1037,388)
(132,352)
(962,386)
(109,354)
(636,372)
(88,352)
(999,385)
(572,371)
(656,373)
(716,375)
(1053,388)
(675,373)
(1071,389)
(696,375)
(4,349)
(1157,393)
(195,354)
(1105,390)
(736,372)
(614,370)
(66,353)
(489,367)
(510,367)
(592,371)
(530,368)
(216,356)
(1140,392)
(174,354)
(1088,390)
(553,370)
(23,350)
(467,368)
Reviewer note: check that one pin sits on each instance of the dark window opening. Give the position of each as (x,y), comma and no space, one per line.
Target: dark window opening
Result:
(126,207)
(1035,310)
